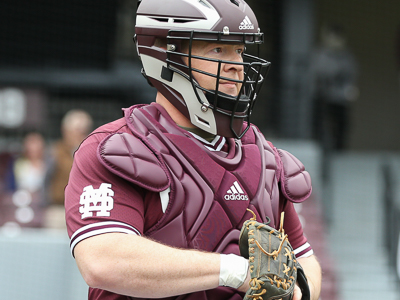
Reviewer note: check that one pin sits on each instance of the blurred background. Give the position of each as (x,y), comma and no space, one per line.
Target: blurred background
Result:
(332,98)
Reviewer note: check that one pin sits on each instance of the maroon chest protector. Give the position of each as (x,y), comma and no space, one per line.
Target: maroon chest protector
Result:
(209,194)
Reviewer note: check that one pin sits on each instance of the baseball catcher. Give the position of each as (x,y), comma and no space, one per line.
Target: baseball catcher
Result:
(172,179)
(273,266)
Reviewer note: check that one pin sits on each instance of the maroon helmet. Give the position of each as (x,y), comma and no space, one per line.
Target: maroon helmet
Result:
(181,22)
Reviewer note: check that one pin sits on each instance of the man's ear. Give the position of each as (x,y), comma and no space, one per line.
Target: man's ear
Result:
(160,43)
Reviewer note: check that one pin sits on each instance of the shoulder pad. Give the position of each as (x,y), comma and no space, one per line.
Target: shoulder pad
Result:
(295,181)
(128,157)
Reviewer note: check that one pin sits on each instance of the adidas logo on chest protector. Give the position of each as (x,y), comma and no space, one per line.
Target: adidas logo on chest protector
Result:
(235,192)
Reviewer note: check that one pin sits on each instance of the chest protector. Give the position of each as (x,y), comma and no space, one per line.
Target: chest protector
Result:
(208,193)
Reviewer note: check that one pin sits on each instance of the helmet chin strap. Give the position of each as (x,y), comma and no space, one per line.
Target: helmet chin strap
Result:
(230,113)
(227,102)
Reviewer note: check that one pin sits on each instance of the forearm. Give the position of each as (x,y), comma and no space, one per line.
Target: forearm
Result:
(312,270)
(151,270)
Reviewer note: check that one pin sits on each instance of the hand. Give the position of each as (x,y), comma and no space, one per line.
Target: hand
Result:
(297,293)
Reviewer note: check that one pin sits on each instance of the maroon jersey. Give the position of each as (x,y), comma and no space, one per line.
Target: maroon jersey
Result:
(99,201)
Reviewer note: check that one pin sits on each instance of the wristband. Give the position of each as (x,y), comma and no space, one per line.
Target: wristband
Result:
(233,270)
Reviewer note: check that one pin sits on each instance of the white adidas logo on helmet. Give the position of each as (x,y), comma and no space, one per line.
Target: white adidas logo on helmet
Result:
(235,193)
(246,24)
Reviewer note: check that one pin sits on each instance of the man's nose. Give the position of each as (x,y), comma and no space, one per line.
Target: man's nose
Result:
(235,65)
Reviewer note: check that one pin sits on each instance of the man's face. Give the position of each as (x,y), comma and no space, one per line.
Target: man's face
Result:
(229,52)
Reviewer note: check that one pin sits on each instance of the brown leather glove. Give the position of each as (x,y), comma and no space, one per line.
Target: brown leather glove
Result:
(273,266)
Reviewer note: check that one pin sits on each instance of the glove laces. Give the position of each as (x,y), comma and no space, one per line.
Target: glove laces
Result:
(283,237)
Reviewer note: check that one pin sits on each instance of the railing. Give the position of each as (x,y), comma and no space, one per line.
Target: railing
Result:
(391,198)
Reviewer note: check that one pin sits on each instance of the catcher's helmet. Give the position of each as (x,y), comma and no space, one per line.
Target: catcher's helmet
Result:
(180,22)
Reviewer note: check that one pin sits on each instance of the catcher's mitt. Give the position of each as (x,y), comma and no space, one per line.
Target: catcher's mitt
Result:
(273,266)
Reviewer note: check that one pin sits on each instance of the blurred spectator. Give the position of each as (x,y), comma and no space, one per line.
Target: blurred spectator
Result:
(23,191)
(75,126)
(30,168)
(334,82)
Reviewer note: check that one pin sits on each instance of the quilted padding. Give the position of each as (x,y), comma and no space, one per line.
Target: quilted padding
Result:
(128,157)
(295,181)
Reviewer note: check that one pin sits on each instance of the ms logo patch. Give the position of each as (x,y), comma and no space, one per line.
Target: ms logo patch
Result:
(96,200)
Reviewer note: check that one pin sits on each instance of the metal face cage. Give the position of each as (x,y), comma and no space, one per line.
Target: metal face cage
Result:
(255,70)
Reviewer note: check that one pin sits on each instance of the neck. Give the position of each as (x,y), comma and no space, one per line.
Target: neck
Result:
(174,113)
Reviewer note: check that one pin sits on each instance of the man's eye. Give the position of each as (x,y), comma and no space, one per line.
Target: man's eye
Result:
(217,50)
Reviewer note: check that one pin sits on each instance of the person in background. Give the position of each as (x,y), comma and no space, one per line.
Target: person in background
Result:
(23,196)
(334,82)
(75,126)
(30,168)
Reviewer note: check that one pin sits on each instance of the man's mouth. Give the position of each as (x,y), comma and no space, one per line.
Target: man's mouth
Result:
(228,83)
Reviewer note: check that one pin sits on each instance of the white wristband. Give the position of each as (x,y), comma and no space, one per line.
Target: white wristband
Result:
(233,270)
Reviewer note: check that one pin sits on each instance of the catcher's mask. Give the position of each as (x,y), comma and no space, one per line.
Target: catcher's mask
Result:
(179,24)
